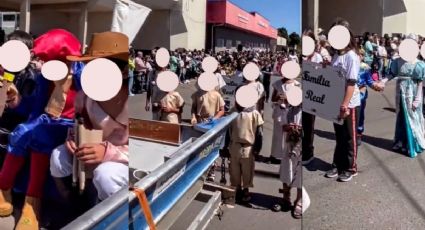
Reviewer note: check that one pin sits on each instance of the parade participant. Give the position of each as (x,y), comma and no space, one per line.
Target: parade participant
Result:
(365,79)
(109,158)
(242,138)
(28,84)
(207,106)
(140,73)
(279,116)
(409,131)
(345,156)
(171,105)
(290,167)
(37,138)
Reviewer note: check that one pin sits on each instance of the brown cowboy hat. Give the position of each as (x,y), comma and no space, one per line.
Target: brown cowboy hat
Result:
(105,45)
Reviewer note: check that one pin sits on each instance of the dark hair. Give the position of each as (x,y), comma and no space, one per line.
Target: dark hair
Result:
(23,37)
(352,45)
(310,33)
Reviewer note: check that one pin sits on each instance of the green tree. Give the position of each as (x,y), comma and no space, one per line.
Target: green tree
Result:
(282,32)
(294,39)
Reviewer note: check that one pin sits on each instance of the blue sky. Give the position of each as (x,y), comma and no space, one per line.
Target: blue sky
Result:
(284,13)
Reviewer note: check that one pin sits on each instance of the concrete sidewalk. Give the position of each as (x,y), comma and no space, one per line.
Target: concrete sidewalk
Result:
(388,193)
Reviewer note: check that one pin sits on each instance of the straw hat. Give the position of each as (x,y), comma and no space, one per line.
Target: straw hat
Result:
(105,45)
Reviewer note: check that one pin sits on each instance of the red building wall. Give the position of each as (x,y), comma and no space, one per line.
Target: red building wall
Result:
(223,11)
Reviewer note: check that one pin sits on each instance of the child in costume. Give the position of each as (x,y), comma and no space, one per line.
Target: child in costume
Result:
(242,139)
(38,137)
(169,105)
(109,158)
(26,97)
(206,106)
(365,79)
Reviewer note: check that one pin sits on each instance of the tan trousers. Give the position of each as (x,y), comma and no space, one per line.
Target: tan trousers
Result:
(241,165)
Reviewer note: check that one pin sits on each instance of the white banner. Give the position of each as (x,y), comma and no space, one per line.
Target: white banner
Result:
(128,18)
(323,91)
(229,90)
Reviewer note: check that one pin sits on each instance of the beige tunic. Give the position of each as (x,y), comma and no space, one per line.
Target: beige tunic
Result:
(242,136)
(206,104)
(174,101)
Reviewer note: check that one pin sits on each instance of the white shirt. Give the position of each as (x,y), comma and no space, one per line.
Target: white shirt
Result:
(350,64)
(221,82)
(382,52)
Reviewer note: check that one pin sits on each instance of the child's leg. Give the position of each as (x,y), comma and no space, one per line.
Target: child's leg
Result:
(350,135)
(109,178)
(360,128)
(234,167)
(247,169)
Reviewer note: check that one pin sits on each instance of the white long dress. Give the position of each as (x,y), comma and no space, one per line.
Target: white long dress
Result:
(279,118)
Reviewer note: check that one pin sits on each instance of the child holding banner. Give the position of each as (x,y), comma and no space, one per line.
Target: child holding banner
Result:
(345,155)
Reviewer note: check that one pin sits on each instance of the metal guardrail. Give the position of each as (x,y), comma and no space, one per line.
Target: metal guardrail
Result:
(163,187)
(194,160)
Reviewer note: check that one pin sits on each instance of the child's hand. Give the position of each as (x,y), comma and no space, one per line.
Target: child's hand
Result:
(166,109)
(344,112)
(13,97)
(193,121)
(91,153)
(71,146)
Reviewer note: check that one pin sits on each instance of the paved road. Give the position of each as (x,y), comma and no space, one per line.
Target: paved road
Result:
(266,182)
(388,193)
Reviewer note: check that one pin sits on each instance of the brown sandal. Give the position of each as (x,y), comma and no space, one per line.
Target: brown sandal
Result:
(297,212)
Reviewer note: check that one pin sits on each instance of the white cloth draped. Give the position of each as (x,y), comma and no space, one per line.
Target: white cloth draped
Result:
(128,18)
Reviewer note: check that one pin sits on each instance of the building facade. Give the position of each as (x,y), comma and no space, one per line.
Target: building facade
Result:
(173,24)
(375,16)
(230,27)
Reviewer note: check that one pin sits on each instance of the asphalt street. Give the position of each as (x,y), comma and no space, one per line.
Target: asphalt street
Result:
(258,214)
(389,191)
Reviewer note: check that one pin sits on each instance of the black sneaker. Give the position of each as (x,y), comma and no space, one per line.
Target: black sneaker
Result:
(345,176)
(246,197)
(332,173)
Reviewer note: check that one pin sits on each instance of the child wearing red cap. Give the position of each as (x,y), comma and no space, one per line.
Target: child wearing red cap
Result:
(38,137)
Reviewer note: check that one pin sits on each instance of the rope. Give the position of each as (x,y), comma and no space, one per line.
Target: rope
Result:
(144,204)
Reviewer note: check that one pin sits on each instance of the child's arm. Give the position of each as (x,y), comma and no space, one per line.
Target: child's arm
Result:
(221,105)
(193,110)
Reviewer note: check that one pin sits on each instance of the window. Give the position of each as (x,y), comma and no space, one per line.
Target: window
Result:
(9,18)
(228,44)
(220,42)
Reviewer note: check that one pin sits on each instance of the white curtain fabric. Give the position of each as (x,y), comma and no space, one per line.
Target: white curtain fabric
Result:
(128,17)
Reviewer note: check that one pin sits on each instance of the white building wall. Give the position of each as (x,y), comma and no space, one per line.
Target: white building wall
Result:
(195,14)
(415,16)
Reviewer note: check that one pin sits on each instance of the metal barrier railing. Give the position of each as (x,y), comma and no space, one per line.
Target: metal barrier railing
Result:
(163,187)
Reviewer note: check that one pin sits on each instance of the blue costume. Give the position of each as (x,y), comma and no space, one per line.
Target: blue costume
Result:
(364,79)
(41,133)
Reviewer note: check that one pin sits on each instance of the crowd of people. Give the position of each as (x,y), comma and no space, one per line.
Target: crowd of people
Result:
(369,61)
(37,129)
(245,134)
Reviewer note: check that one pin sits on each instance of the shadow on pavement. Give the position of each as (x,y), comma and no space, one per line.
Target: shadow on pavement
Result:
(261,202)
(378,142)
(318,164)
